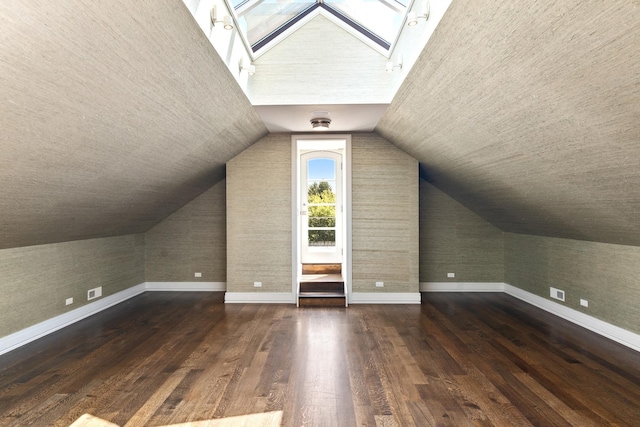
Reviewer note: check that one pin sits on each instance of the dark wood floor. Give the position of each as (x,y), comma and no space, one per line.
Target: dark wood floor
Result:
(458,359)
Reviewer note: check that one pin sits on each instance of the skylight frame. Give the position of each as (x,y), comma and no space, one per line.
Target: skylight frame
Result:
(348,23)
(282,29)
(373,37)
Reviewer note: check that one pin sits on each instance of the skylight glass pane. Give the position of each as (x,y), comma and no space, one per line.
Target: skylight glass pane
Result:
(383,18)
(267,16)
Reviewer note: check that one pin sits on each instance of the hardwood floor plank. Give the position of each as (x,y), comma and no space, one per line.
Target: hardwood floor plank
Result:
(572,416)
(475,387)
(87,420)
(153,403)
(565,369)
(458,359)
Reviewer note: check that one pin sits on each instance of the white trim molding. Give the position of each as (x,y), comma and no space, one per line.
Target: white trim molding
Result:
(259,297)
(385,298)
(39,330)
(330,142)
(600,327)
(186,286)
(461,287)
(605,329)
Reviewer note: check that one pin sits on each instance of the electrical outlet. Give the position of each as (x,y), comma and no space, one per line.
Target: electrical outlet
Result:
(379,284)
(584,302)
(68,301)
(197,274)
(451,274)
(257,284)
(557,294)
(94,293)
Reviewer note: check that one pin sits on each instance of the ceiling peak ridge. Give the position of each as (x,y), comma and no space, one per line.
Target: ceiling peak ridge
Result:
(263,24)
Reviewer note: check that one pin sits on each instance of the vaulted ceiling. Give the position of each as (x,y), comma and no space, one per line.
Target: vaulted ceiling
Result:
(529,114)
(115,114)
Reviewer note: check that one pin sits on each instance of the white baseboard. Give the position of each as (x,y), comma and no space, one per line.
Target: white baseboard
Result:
(385,298)
(25,336)
(600,327)
(461,287)
(259,297)
(186,286)
(32,333)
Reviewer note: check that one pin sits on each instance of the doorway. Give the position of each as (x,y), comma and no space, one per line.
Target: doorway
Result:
(321,240)
(321,206)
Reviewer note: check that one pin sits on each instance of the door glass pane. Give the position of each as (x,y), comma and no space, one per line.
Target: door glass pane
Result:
(322,216)
(321,169)
(321,198)
(322,237)
(321,192)
(321,180)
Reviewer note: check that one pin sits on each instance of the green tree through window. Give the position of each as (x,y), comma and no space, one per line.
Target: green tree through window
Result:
(321,216)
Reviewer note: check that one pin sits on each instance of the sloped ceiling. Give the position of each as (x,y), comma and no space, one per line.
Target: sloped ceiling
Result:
(112,116)
(529,114)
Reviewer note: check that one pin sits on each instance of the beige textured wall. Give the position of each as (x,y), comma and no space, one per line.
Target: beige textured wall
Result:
(259,217)
(384,216)
(191,240)
(36,280)
(455,240)
(530,115)
(118,117)
(604,274)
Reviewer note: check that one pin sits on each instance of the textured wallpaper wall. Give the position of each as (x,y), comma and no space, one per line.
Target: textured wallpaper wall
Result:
(384,216)
(259,217)
(193,239)
(538,134)
(604,274)
(35,281)
(119,125)
(455,240)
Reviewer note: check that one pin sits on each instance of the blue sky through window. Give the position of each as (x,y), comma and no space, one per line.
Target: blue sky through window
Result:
(321,169)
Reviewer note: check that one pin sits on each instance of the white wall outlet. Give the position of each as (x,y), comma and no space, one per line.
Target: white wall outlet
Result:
(94,293)
(379,284)
(68,301)
(451,274)
(584,302)
(557,294)
(257,284)
(197,274)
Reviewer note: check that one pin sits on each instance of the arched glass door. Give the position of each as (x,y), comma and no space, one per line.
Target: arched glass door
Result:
(321,207)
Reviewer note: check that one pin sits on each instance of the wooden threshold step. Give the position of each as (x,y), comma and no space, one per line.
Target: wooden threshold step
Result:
(321,278)
(316,300)
(322,287)
(321,268)
(321,294)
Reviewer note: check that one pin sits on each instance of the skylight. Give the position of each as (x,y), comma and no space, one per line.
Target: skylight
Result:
(382,18)
(263,22)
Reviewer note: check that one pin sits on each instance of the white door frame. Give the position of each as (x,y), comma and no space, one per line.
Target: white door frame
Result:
(327,142)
